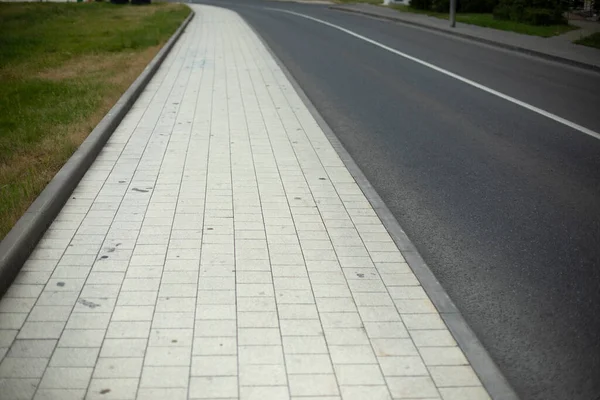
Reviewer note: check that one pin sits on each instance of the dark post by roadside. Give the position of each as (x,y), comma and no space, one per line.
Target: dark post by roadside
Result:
(452,13)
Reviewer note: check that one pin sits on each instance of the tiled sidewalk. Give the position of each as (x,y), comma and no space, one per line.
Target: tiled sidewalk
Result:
(218,248)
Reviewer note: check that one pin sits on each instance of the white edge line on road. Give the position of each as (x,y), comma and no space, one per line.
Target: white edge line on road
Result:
(452,75)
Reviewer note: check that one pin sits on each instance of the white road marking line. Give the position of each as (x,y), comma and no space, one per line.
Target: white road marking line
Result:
(528,106)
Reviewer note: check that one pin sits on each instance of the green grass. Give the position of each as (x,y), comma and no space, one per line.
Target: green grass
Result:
(488,21)
(592,40)
(62,66)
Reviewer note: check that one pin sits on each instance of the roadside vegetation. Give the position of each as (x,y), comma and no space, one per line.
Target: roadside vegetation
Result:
(62,67)
(543,18)
(374,2)
(592,40)
(488,20)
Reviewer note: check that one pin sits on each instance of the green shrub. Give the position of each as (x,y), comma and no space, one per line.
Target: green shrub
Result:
(465,6)
(421,4)
(534,12)
(544,16)
(502,11)
(477,6)
(442,6)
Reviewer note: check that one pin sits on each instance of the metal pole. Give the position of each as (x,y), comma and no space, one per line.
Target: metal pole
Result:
(452,13)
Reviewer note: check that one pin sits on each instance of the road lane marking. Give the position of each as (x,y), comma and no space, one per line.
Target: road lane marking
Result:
(523,104)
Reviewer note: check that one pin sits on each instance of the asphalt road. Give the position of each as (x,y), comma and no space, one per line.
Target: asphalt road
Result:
(502,203)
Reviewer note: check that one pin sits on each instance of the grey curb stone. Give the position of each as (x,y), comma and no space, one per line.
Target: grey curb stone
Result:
(491,377)
(16,247)
(519,49)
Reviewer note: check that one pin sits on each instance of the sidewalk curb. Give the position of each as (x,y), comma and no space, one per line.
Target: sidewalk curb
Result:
(519,49)
(18,244)
(491,377)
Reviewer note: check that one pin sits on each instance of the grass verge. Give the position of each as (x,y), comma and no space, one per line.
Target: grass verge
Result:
(592,40)
(62,67)
(488,21)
